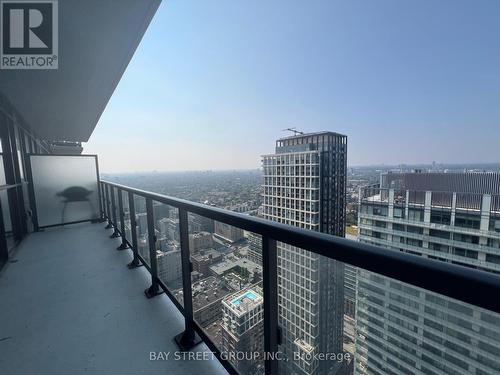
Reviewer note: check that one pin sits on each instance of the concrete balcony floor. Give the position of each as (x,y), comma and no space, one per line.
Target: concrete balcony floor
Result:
(69,305)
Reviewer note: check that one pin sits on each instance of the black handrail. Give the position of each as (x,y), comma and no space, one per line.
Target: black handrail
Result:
(459,282)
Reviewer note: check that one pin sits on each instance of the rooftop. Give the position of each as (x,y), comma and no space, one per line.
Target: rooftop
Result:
(206,291)
(328,133)
(472,182)
(207,253)
(200,234)
(228,264)
(241,303)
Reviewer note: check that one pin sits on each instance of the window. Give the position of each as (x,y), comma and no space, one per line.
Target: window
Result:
(439,247)
(493,258)
(439,234)
(465,253)
(413,242)
(412,229)
(440,217)
(398,227)
(399,213)
(380,211)
(467,221)
(495,225)
(415,214)
(466,238)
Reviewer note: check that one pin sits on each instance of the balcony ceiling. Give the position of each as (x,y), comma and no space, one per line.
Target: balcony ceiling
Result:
(97,39)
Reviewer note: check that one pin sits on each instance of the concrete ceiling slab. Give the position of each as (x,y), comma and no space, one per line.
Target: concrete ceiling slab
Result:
(97,39)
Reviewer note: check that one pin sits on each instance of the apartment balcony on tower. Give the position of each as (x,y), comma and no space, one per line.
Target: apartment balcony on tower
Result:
(102,276)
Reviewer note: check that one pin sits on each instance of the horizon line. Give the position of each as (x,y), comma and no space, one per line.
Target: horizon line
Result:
(382,165)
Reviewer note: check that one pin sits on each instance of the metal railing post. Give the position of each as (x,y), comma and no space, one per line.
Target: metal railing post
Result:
(272,334)
(104,213)
(113,208)
(124,244)
(103,200)
(108,209)
(187,339)
(154,289)
(133,231)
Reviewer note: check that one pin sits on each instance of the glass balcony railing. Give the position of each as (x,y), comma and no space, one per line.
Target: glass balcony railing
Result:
(250,305)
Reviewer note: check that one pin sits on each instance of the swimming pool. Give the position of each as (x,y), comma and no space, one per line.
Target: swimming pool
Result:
(237,301)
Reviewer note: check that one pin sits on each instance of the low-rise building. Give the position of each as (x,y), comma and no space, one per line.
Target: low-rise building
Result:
(169,265)
(200,240)
(204,258)
(207,296)
(228,232)
(240,265)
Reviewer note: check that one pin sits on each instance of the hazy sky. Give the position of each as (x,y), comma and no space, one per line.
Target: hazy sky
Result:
(213,83)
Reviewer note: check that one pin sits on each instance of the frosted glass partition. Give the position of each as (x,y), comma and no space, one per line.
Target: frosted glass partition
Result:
(65,188)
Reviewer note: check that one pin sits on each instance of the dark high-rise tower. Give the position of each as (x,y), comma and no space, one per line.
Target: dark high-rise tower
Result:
(304,185)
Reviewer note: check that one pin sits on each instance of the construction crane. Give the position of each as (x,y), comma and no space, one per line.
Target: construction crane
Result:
(294,130)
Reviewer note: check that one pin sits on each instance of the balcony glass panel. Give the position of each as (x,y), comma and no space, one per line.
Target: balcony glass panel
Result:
(126,217)
(228,300)
(116,195)
(141,218)
(168,249)
(317,335)
(404,329)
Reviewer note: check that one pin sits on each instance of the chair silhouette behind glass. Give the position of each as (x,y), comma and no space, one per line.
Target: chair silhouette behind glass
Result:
(74,194)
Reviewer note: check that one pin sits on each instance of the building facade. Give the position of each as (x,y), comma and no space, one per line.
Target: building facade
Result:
(254,247)
(199,241)
(208,293)
(350,286)
(169,265)
(304,185)
(227,232)
(242,329)
(452,218)
(204,258)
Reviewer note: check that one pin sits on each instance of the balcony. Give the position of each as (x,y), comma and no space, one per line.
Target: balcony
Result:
(67,293)
(68,289)
(96,275)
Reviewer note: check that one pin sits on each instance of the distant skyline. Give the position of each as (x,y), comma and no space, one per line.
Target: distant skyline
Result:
(488,167)
(213,84)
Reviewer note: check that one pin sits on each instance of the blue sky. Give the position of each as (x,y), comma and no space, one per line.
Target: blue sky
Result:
(213,83)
